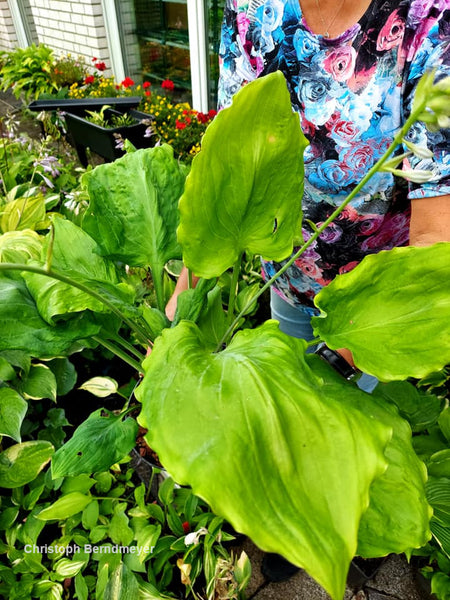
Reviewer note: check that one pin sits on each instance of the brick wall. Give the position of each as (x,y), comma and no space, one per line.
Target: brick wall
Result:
(77,28)
(8,38)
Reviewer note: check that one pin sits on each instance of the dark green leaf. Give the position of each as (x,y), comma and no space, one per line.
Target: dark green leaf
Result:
(114,439)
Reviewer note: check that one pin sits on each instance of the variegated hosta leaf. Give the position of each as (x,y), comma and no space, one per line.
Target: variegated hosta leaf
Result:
(248,429)
(392,311)
(245,187)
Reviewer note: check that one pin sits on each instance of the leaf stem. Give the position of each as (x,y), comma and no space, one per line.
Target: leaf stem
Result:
(375,168)
(118,352)
(233,289)
(158,282)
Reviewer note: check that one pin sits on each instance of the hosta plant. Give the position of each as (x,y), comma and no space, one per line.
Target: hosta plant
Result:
(273,439)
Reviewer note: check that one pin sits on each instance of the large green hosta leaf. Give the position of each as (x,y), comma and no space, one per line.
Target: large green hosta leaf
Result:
(75,254)
(397,519)
(392,311)
(133,206)
(245,187)
(248,430)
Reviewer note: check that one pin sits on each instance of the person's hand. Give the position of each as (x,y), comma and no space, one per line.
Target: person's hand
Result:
(347,355)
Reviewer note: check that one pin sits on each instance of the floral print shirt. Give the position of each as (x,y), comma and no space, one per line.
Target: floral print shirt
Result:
(352,93)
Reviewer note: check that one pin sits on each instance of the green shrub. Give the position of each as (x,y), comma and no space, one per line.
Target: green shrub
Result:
(28,71)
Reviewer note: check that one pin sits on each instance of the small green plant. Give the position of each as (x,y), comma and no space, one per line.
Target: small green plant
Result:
(35,177)
(68,70)
(28,71)
(109,120)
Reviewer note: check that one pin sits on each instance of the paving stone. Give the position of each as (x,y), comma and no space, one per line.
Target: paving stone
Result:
(396,578)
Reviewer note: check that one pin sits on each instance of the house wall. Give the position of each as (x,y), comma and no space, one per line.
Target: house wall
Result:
(8,37)
(77,28)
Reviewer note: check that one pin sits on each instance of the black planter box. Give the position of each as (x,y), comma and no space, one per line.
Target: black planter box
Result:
(79,106)
(102,140)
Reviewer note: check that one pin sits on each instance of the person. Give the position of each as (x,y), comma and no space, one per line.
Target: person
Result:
(351,68)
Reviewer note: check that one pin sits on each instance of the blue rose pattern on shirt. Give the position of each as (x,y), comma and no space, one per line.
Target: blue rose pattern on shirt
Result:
(352,93)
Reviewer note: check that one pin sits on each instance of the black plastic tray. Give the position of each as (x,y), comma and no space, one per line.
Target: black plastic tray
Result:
(78,106)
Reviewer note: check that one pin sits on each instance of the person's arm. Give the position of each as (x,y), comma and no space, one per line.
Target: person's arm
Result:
(430,220)
(182,284)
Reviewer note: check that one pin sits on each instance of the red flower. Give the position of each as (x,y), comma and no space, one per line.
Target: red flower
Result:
(94,58)
(180,124)
(89,79)
(100,66)
(202,118)
(168,84)
(146,84)
(147,93)
(186,527)
(212,113)
(127,82)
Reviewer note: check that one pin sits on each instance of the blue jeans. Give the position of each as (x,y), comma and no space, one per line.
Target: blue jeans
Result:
(297,323)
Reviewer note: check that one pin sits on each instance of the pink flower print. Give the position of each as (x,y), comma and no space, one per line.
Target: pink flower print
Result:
(331,234)
(358,159)
(242,25)
(340,63)
(309,268)
(394,232)
(369,224)
(392,32)
(343,132)
(348,267)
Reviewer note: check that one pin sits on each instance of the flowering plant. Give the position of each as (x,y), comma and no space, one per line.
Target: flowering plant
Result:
(176,124)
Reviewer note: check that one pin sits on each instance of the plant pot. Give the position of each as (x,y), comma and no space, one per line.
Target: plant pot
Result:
(103,140)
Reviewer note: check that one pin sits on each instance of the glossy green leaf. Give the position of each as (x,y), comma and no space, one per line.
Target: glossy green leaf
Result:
(65,375)
(420,409)
(40,383)
(65,507)
(114,439)
(13,409)
(439,464)
(398,516)
(21,463)
(392,311)
(119,531)
(245,186)
(279,448)
(123,585)
(133,207)
(7,371)
(444,423)
(397,519)
(191,302)
(440,585)
(31,333)
(74,253)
